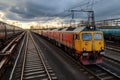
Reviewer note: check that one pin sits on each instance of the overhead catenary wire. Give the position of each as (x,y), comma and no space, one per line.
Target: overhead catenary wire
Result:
(65,14)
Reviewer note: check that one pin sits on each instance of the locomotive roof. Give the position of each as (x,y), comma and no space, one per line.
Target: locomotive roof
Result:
(78,29)
(55,30)
(64,29)
(75,29)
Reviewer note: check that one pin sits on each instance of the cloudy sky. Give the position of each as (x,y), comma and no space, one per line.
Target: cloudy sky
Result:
(45,10)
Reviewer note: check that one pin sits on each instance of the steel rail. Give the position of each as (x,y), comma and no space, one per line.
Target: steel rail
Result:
(24,59)
(2,62)
(7,51)
(14,40)
(113,49)
(114,60)
(41,57)
(109,72)
(19,53)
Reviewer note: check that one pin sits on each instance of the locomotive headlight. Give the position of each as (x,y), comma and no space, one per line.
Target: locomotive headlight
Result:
(84,49)
(85,54)
(102,52)
(91,27)
(102,48)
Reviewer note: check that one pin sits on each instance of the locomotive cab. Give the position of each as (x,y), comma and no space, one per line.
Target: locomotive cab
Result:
(90,46)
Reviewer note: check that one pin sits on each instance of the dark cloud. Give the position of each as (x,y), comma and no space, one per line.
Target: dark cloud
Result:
(3,6)
(38,8)
(107,9)
(28,10)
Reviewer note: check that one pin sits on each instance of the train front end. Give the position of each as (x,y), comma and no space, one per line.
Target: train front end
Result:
(92,47)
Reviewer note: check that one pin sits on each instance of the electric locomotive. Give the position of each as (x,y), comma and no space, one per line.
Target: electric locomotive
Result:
(85,44)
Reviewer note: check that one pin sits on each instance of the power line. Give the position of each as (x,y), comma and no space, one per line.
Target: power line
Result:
(89,3)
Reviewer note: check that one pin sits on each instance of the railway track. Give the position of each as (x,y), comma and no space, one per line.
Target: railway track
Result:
(16,71)
(34,66)
(6,54)
(113,49)
(98,72)
(112,56)
(103,73)
(112,60)
(110,45)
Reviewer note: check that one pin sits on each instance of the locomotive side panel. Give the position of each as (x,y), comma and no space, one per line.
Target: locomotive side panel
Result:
(51,35)
(67,39)
(57,36)
(77,42)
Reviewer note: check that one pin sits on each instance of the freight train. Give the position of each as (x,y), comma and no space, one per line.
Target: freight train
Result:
(85,44)
(111,32)
(7,31)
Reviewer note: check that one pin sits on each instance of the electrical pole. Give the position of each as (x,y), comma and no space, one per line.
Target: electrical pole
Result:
(91,19)
(72,22)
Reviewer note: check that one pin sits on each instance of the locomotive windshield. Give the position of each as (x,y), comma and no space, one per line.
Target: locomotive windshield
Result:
(97,36)
(86,36)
